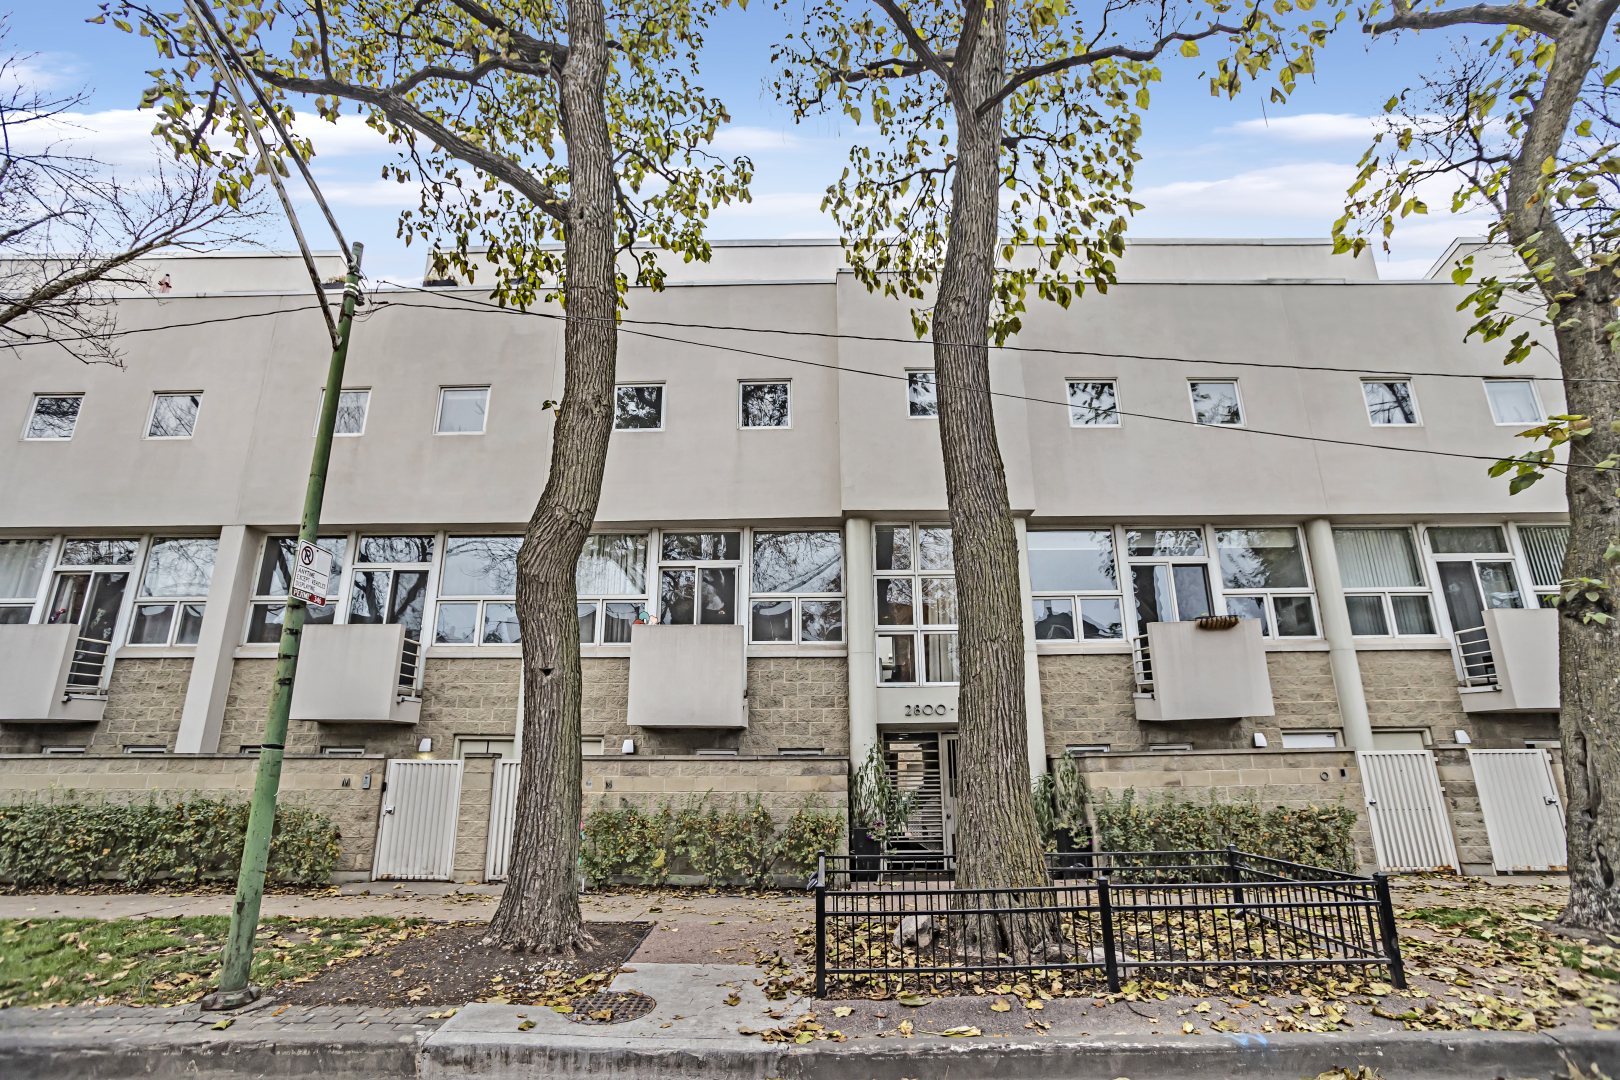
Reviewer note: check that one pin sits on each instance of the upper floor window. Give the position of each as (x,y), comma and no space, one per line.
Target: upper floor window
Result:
(797,585)
(1216,403)
(54,416)
(1072,575)
(922,398)
(478,591)
(1385,560)
(351,412)
(1263,575)
(275,578)
(1389,403)
(1093,403)
(22,565)
(764,404)
(916,604)
(462,410)
(1513,401)
(611,583)
(169,607)
(638,407)
(1544,548)
(704,590)
(174,416)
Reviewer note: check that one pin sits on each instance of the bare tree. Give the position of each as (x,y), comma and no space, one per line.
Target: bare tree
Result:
(1522,123)
(72,232)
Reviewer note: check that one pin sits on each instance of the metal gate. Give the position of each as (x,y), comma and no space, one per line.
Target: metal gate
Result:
(416,838)
(502,815)
(1407,810)
(1523,817)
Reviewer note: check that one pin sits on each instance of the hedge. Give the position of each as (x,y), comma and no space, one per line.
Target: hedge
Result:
(1314,835)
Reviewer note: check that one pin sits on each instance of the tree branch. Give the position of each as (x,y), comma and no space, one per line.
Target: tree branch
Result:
(531,48)
(920,46)
(1539,19)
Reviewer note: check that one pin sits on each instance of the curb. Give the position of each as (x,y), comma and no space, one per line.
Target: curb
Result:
(45,1056)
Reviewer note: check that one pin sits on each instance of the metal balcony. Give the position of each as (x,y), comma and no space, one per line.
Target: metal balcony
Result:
(1511,663)
(357,674)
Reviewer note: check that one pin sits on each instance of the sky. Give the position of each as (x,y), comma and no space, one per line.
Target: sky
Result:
(1211,167)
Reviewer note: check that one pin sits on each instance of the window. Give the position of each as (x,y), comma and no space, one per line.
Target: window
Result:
(916,605)
(764,405)
(1076,749)
(1170,747)
(53,416)
(1475,572)
(591,746)
(1386,560)
(92,578)
(1271,560)
(1093,403)
(343,751)
(351,412)
(638,408)
(275,578)
(1544,547)
(1513,401)
(1216,403)
(500,746)
(62,750)
(390,583)
(798,585)
(1389,403)
(704,589)
(462,410)
(801,751)
(146,749)
(22,565)
(1309,740)
(478,591)
(169,607)
(922,398)
(1079,568)
(1169,575)
(174,416)
(611,582)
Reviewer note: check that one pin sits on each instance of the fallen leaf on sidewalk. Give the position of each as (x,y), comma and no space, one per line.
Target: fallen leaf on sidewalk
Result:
(842,1010)
(904,1028)
(999,1005)
(966,1031)
(912,1001)
(734,999)
(225,1023)
(526,1025)
(562,1008)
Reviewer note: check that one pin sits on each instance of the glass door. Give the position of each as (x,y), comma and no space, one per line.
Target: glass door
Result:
(1470,587)
(1170,592)
(91,601)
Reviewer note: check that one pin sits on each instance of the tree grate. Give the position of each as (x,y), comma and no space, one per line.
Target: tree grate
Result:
(612,1007)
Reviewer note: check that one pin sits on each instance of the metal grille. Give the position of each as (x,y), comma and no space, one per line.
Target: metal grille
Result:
(612,1007)
(1407,810)
(1544,546)
(410,666)
(502,816)
(1473,648)
(88,665)
(416,839)
(1523,817)
(1142,664)
(1110,917)
(913,761)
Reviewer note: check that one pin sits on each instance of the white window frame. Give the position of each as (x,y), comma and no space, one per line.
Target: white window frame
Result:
(1535,395)
(337,586)
(151,414)
(1266,596)
(1069,384)
(663,406)
(42,590)
(430,629)
(743,384)
(658,564)
(1317,733)
(922,416)
(1237,392)
(1125,560)
(918,629)
(1386,592)
(33,407)
(175,602)
(1521,569)
(1521,552)
(136,567)
(438,413)
(1411,387)
(1075,596)
(320,404)
(796,599)
(643,600)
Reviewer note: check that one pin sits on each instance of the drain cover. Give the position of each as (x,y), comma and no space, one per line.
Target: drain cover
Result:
(611,1007)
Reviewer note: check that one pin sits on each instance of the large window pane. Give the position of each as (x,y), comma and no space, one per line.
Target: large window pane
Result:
(765,404)
(14,614)
(174,416)
(1466,539)
(1081,561)
(1412,614)
(1054,620)
(264,625)
(1260,558)
(409,601)
(1216,403)
(897,661)
(98,552)
(939,601)
(810,562)
(1544,545)
(458,624)
(1513,401)
(180,567)
(921,397)
(616,622)
(821,620)
(1367,616)
(587,624)
(893,547)
(677,596)
(396,549)
(719,595)
(480,566)
(1164,542)
(462,412)
(150,624)
(1501,585)
(1151,585)
(1093,403)
(1101,619)
(1192,591)
(1389,403)
(894,602)
(939,651)
(22,563)
(501,624)
(1250,607)
(702,547)
(934,548)
(275,575)
(612,564)
(1295,616)
(772,620)
(1377,558)
(638,408)
(368,601)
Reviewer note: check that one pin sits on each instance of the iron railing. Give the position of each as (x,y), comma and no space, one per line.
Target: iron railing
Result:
(410,667)
(1107,918)
(1473,648)
(88,665)
(1142,664)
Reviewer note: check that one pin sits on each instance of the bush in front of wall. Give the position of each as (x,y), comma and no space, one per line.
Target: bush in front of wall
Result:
(811,830)
(724,844)
(184,839)
(628,840)
(1313,835)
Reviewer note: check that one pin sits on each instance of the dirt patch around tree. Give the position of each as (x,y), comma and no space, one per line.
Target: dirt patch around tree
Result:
(449,966)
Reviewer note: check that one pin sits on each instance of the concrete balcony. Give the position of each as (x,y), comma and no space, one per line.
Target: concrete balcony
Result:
(1511,663)
(359,673)
(688,677)
(49,674)
(1185,671)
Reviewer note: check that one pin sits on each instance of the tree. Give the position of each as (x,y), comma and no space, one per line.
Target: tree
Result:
(1521,123)
(1006,144)
(577,123)
(72,233)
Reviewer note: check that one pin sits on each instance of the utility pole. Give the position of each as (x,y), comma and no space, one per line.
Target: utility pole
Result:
(234,988)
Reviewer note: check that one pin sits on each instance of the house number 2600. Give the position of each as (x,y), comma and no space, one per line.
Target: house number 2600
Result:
(926,710)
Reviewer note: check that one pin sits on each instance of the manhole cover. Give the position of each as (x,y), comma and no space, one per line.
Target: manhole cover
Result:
(611,1007)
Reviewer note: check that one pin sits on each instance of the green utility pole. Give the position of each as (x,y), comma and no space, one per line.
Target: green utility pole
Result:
(234,989)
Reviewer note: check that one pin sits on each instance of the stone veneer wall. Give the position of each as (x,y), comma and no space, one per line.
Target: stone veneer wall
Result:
(316,782)
(783,784)
(1417,688)
(144,700)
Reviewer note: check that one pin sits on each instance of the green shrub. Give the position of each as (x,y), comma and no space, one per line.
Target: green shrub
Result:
(1314,835)
(726,844)
(811,830)
(628,840)
(183,839)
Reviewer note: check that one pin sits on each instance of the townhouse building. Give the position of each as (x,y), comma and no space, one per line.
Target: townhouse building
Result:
(1257,538)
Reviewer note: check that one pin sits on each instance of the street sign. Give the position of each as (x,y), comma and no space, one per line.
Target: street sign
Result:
(312,573)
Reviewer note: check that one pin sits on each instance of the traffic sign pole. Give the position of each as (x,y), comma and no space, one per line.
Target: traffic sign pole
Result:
(235,989)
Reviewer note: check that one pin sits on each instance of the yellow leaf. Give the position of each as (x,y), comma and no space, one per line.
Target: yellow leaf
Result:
(842,1010)
(965,1032)
(526,1025)
(1187,1029)
(904,1027)
(562,1008)
(1000,1006)
(1033,1004)
(223,1024)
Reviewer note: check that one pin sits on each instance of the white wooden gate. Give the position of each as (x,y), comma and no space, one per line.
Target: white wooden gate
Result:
(1407,810)
(416,838)
(1523,816)
(502,814)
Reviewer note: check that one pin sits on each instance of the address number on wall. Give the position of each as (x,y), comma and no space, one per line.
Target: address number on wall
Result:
(927,710)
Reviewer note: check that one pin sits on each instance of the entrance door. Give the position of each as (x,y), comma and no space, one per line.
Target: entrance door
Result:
(1523,818)
(1407,810)
(92,601)
(1471,586)
(913,761)
(416,838)
(951,744)
(1170,592)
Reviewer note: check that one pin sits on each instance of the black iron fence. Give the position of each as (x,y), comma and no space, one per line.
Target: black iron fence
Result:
(1108,917)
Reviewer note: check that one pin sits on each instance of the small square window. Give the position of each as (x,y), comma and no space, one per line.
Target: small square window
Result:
(765,405)
(462,410)
(922,397)
(54,416)
(1093,403)
(1389,404)
(1216,404)
(638,408)
(146,749)
(351,412)
(1513,401)
(174,416)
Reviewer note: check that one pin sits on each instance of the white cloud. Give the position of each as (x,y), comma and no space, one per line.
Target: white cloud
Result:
(387,193)
(43,71)
(743,139)
(1303,190)
(1309,127)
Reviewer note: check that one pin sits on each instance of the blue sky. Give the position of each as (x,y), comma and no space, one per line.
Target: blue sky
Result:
(1211,167)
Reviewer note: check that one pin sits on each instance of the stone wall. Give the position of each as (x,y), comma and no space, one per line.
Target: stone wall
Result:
(144,700)
(783,784)
(1463,811)
(472,822)
(316,782)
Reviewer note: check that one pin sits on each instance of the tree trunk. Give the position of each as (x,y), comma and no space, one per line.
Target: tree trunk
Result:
(540,908)
(997,841)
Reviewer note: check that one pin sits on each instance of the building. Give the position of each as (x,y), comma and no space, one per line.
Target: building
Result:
(1248,428)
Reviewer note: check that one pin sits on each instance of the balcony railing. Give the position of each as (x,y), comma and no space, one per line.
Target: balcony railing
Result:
(1473,649)
(1142,664)
(410,667)
(88,665)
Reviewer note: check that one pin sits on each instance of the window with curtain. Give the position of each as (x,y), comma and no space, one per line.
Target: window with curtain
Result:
(1383,582)
(1544,547)
(611,581)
